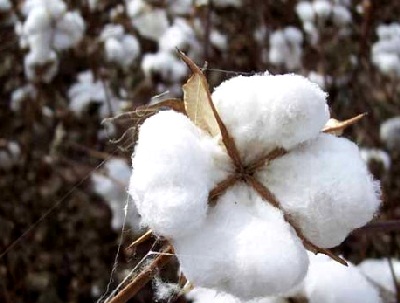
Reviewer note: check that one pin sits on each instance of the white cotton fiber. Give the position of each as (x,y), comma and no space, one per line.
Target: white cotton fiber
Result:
(264,112)
(324,184)
(241,250)
(328,281)
(378,272)
(172,174)
(390,133)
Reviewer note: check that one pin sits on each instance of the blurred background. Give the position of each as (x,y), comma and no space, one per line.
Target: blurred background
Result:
(70,70)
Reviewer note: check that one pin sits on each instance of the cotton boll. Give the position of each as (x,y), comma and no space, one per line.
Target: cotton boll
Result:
(239,248)
(378,271)
(327,189)
(69,31)
(328,281)
(265,112)
(341,15)
(38,20)
(170,185)
(323,8)
(305,11)
(390,133)
(285,47)
(151,24)
(166,64)
(46,61)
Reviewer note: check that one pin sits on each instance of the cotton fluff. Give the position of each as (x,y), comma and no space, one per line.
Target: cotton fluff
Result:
(390,133)
(90,91)
(330,282)
(244,248)
(205,295)
(327,188)
(119,47)
(386,51)
(264,112)
(378,272)
(221,3)
(173,173)
(286,47)
(112,186)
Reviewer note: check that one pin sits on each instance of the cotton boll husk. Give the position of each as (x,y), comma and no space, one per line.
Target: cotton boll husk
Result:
(378,271)
(245,248)
(264,112)
(328,281)
(173,172)
(324,184)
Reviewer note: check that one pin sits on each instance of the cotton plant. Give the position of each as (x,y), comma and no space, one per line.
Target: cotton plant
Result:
(119,47)
(111,185)
(245,182)
(90,91)
(286,47)
(49,27)
(386,51)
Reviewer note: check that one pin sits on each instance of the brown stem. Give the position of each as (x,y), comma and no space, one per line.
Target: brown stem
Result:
(144,277)
(221,188)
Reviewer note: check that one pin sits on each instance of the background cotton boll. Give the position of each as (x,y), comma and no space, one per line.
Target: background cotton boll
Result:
(341,15)
(378,271)
(305,11)
(390,133)
(327,188)
(151,24)
(323,8)
(10,155)
(38,20)
(69,31)
(290,110)
(328,281)
(36,59)
(166,64)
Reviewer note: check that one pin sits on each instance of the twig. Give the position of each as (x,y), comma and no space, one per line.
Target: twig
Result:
(147,235)
(144,277)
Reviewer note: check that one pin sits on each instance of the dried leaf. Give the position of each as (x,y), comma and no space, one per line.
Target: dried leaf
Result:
(201,110)
(336,127)
(197,100)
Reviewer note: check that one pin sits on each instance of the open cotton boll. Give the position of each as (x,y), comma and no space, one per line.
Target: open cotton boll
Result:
(172,174)
(243,250)
(264,112)
(326,187)
(328,281)
(378,272)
